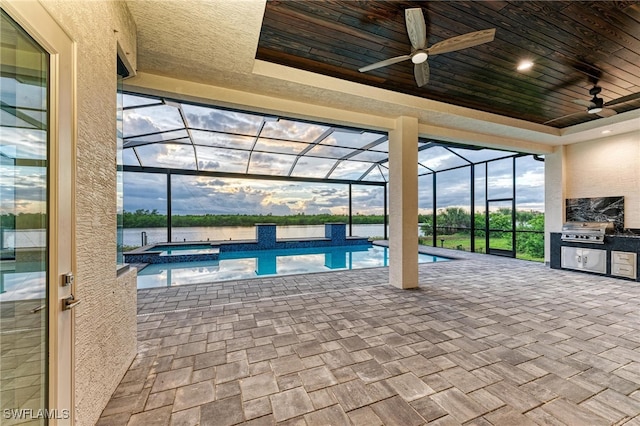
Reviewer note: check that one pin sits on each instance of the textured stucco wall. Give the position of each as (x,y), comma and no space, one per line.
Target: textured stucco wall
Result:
(105,321)
(554,177)
(607,167)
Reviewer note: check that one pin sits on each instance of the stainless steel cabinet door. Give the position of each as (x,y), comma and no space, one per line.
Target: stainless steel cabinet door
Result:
(584,259)
(571,257)
(594,260)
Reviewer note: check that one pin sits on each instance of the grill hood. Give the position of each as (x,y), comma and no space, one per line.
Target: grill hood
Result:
(586,232)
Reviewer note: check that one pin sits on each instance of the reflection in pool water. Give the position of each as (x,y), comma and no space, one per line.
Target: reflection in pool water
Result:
(241,265)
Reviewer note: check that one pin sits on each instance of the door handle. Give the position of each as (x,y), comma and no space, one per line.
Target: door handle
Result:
(70,302)
(38,309)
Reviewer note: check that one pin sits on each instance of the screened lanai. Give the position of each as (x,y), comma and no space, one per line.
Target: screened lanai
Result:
(179,145)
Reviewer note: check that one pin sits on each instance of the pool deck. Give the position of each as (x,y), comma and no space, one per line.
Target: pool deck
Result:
(484,340)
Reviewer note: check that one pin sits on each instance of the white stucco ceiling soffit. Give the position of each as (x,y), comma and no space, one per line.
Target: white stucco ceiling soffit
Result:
(627,122)
(485,140)
(193,38)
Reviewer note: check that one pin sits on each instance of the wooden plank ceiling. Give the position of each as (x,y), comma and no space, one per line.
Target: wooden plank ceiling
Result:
(573,45)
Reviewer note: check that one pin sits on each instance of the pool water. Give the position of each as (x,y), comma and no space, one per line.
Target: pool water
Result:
(251,264)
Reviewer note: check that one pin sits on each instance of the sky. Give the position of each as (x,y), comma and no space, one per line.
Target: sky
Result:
(21,188)
(200,195)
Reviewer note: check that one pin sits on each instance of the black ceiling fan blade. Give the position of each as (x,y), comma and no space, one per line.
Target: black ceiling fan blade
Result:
(563,85)
(623,99)
(582,102)
(563,117)
(587,69)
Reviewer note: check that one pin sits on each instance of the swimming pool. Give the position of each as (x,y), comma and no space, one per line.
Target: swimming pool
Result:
(251,264)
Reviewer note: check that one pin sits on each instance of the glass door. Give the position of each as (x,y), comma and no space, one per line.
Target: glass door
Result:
(24,211)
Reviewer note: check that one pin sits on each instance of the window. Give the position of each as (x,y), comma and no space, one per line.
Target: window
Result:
(122,73)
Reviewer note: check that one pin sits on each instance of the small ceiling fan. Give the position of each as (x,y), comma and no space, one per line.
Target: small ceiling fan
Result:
(417,31)
(597,105)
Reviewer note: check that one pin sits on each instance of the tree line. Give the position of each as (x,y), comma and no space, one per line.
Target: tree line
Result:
(142,218)
(455,220)
(23,221)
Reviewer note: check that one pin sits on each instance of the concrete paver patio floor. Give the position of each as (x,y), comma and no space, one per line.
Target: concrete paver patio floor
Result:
(484,341)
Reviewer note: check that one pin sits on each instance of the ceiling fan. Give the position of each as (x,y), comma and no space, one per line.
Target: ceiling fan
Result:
(597,105)
(417,31)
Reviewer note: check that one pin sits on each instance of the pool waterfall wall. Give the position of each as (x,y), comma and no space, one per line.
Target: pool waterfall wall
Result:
(335,236)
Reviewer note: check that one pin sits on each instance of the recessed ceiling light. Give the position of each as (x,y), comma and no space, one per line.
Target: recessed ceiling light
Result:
(525,65)
(606,132)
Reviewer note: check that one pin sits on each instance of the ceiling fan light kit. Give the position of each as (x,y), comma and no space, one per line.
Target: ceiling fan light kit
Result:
(596,105)
(417,31)
(419,57)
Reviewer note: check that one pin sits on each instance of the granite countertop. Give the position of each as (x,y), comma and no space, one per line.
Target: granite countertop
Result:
(619,235)
(625,235)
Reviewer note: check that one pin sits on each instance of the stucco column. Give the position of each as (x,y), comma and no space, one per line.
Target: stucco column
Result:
(403,203)
(554,195)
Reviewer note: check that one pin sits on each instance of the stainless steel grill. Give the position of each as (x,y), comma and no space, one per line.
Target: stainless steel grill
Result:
(586,232)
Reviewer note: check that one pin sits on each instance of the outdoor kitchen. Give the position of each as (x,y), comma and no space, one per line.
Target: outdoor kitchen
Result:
(595,240)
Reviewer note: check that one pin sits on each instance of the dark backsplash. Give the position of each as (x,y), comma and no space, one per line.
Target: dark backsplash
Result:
(599,209)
